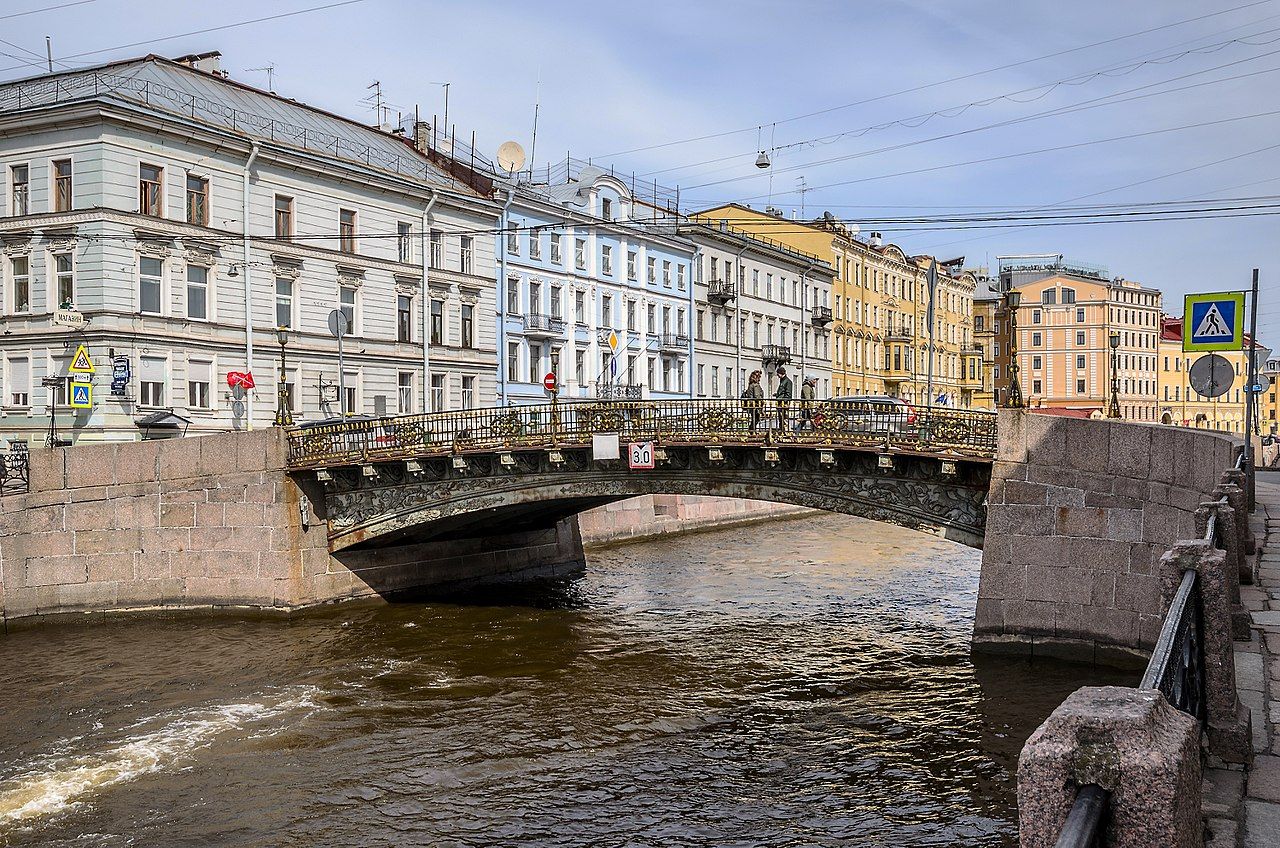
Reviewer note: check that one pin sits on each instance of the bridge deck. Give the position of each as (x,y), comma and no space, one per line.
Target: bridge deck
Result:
(707,422)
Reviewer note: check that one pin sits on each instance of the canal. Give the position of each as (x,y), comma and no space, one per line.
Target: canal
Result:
(805,682)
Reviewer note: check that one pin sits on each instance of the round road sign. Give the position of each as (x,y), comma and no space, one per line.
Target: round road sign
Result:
(339,325)
(549,381)
(1211,375)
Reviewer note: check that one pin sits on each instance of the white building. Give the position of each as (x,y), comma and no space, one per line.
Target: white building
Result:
(759,305)
(125,192)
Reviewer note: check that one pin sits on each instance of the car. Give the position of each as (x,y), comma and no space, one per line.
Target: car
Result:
(866,414)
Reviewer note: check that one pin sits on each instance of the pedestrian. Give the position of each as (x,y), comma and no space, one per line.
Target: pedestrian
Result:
(783,396)
(753,398)
(806,404)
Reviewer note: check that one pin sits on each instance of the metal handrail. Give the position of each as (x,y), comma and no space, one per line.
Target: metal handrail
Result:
(964,434)
(1084,826)
(15,470)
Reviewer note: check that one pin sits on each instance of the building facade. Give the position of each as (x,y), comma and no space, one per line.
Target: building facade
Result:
(1181,405)
(758,305)
(186,217)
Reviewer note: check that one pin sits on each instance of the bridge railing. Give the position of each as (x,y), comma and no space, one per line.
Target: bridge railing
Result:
(14,465)
(701,421)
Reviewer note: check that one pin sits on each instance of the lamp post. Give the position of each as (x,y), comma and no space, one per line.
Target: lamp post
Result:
(1113,408)
(284,416)
(1014,401)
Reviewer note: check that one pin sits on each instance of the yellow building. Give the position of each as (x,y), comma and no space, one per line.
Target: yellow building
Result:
(879,310)
(1181,405)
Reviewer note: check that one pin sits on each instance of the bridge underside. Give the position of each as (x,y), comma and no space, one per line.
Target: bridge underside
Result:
(396,502)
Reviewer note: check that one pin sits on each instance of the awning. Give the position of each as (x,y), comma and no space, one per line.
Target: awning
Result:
(165,419)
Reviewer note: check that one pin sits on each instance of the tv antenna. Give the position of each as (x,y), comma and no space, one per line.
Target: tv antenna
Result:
(270,69)
(379,106)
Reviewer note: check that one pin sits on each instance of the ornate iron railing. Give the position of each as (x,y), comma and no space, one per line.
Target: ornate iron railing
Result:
(870,426)
(14,466)
(619,391)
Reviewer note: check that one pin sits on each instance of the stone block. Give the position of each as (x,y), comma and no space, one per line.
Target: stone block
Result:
(136,462)
(1029,618)
(243,517)
(1011,429)
(1131,743)
(230,538)
(227,491)
(166,591)
(989,615)
(1089,445)
(1058,585)
(1161,525)
(208,515)
(1001,580)
(46,470)
(1125,525)
(1020,492)
(1081,522)
(1097,555)
(280,565)
(89,465)
(155,564)
(1130,451)
(70,597)
(1054,475)
(179,459)
(94,542)
(94,515)
(51,570)
(1107,500)
(111,568)
(178,515)
(1264,779)
(1222,792)
(45,519)
(1162,465)
(138,512)
(1139,593)
(1047,551)
(50,544)
(1046,439)
(1013,519)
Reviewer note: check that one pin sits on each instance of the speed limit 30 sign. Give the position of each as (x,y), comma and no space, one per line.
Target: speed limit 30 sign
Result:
(640,455)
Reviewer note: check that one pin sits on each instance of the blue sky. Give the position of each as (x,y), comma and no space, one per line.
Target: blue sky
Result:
(620,76)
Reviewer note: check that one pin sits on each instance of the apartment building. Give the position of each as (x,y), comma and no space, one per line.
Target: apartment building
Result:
(758,305)
(186,216)
(991,343)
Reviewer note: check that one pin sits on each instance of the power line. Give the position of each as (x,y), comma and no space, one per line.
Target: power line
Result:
(45,9)
(934,84)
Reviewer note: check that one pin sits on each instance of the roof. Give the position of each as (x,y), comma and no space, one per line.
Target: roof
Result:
(164,85)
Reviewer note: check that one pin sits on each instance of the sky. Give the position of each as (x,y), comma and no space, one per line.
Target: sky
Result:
(627,85)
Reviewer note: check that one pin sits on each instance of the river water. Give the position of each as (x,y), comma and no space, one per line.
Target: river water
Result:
(789,684)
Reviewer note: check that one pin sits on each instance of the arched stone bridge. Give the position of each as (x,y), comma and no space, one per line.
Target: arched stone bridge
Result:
(467,474)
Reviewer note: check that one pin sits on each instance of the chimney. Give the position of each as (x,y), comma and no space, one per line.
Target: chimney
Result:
(209,63)
(876,240)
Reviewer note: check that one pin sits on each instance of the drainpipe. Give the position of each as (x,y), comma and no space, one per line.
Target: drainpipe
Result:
(804,309)
(502,299)
(690,316)
(426,300)
(248,286)
(737,321)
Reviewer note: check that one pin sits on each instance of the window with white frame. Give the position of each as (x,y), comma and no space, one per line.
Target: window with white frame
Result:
(631,265)
(535,245)
(151,190)
(151,381)
(606,259)
(19,190)
(197,200)
(465,254)
(18,380)
(64,279)
(513,296)
(199,384)
(580,367)
(348,302)
(347,230)
(468,326)
(468,392)
(580,307)
(666,273)
(513,362)
(404,242)
(63,190)
(437,248)
(437,321)
(197,292)
(150,284)
(20,284)
(535,363)
(556,248)
(651,269)
(284,302)
(513,240)
(680,276)
(580,254)
(535,297)
(284,216)
(557,302)
(404,392)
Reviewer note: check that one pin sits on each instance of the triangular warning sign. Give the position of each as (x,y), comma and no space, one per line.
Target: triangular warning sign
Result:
(81,363)
(1212,324)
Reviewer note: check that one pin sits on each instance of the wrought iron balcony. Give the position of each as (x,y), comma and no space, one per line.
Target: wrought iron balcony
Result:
(616,391)
(902,332)
(543,326)
(775,354)
(720,292)
(674,342)
(821,316)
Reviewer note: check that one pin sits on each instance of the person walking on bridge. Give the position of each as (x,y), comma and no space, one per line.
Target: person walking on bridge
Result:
(753,398)
(806,404)
(783,395)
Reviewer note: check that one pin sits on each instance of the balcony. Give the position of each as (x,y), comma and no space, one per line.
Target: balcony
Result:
(619,391)
(821,316)
(543,327)
(720,292)
(900,333)
(674,343)
(775,355)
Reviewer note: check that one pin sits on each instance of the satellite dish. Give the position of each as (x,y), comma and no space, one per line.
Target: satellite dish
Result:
(1211,376)
(510,156)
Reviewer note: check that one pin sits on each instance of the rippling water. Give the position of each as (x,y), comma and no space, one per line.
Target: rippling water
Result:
(796,683)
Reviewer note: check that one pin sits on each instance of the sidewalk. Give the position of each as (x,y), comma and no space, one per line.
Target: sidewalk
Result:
(1258,674)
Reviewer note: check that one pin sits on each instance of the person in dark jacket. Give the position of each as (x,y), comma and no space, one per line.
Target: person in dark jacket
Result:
(753,398)
(783,395)
(806,404)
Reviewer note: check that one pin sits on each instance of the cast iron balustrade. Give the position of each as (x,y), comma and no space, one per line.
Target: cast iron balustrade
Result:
(622,391)
(948,434)
(720,292)
(674,343)
(902,332)
(14,465)
(542,326)
(821,316)
(775,355)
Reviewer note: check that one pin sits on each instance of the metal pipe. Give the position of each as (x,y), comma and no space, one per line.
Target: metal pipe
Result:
(248,284)
(426,301)
(737,320)
(502,298)
(1251,397)
(689,316)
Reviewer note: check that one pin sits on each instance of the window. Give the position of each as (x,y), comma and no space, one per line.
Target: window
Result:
(437,321)
(1036,363)
(651,323)
(979,323)
(580,367)
(555,248)
(580,307)
(199,382)
(680,276)
(606,259)
(465,254)
(535,252)
(62,188)
(651,269)
(513,362)
(151,190)
(513,241)
(1079,338)
(606,208)
(347,230)
(535,297)
(535,363)
(468,325)
(1080,389)
(1080,361)
(631,315)
(606,310)
(151,380)
(468,392)
(438,392)
(1036,316)
(580,254)
(1036,340)
(1049,297)
(351,386)
(404,392)
(404,242)
(666,273)
(20,271)
(284,302)
(404,318)
(65,280)
(198,292)
(347,303)
(557,302)
(1068,295)
(197,200)
(284,217)
(20,196)
(513,296)
(1080,316)
(437,247)
(19,381)
(150,277)
(631,264)
(1037,387)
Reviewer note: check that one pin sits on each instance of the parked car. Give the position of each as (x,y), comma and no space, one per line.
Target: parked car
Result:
(865,414)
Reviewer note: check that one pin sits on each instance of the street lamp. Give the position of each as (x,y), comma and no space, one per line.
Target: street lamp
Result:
(1113,408)
(1014,401)
(284,416)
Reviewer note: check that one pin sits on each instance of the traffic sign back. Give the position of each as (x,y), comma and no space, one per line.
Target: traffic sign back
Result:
(1213,321)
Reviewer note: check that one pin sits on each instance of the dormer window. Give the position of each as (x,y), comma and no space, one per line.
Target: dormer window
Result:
(606,208)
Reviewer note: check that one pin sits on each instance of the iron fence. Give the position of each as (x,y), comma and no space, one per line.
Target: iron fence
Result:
(14,465)
(959,433)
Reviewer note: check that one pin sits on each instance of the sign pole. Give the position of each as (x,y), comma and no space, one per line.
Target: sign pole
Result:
(1251,401)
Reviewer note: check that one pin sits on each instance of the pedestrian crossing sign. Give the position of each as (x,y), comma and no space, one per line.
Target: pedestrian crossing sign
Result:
(82,395)
(81,363)
(1213,321)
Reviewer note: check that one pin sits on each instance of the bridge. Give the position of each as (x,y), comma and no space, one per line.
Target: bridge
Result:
(450,475)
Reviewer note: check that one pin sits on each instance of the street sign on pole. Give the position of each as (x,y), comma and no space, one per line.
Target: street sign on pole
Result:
(1213,321)
(82,395)
(1211,376)
(549,381)
(81,363)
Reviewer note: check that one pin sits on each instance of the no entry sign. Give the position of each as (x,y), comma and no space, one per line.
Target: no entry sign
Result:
(549,381)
